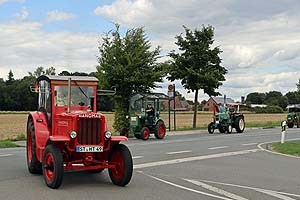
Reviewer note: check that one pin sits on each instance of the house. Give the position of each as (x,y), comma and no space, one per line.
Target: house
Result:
(180,105)
(213,102)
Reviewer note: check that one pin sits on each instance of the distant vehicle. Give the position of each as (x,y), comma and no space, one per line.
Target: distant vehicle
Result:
(293,116)
(141,125)
(226,121)
(67,134)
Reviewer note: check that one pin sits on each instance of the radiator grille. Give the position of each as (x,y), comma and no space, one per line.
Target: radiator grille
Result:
(89,131)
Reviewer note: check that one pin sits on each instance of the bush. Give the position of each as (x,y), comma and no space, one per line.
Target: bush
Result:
(269,109)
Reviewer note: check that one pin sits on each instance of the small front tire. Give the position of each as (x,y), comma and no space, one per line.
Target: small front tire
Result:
(160,130)
(120,156)
(211,128)
(145,133)
(53,166)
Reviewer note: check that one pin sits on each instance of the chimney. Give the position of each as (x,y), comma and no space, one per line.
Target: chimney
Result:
(242,99)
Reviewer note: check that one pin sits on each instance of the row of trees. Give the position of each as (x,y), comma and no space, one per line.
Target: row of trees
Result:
(275,98)
(15,94)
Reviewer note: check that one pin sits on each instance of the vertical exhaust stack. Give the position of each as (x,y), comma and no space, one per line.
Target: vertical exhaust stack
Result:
(69,95)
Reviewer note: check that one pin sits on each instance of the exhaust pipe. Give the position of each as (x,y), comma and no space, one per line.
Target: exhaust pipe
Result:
(69,95)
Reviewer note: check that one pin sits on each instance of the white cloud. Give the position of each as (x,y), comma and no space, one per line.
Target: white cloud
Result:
(23,15)
(56,15)
(260,40)
(24,46)
(6,1)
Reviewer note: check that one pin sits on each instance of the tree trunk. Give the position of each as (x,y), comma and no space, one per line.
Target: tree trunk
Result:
(195,109)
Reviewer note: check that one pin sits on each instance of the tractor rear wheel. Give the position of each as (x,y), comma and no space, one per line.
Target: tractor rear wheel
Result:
(222,129)
(137,136)
(53,166)
(145,133)
(34,166)
(124,132)
(211,128)
(120,156)
(239,124)
(160,130)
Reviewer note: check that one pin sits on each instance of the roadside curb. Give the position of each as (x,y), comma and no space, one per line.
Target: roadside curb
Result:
(21,143)
(266,145)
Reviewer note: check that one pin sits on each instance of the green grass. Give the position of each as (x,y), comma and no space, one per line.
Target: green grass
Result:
(263,125)
(292,148)
(7,144)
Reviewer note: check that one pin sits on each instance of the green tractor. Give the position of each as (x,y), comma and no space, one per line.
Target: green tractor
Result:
(142,122)
(226,121)
(293,117)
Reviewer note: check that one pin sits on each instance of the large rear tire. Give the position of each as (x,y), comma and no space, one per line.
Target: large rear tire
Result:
(239,124)
(160,130)
(53,166)
(34,166)
(120,156)
(210,128)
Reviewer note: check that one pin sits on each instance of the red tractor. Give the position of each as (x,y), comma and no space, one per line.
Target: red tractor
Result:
(67,134)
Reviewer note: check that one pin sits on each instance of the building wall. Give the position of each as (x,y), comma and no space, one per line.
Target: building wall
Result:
(210,105)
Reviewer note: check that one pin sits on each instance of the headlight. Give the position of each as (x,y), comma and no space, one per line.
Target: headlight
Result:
(73,134)
(107,134)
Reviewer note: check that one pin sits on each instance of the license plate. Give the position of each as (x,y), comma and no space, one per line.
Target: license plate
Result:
(89,149)
(133,119)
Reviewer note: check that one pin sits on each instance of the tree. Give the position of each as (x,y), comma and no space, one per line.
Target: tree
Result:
(255,98)
(41,71)
(128,64)
(11,78)
(298,86)
(198,64)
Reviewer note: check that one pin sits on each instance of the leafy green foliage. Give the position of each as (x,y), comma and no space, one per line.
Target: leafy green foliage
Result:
(197,64)
(269,109)
(255,98)
(7,144)
(129,65)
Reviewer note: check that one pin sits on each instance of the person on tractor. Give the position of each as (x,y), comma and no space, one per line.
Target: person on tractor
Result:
(222,108)
(150,113)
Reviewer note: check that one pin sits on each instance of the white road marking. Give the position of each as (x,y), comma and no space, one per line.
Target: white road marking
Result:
(274,194)
(137,157)
(251,188)
(216,190)
(221,147)
(186,188)
(274,152)
(195,158)
(6,155)
(178,152)
(249,144)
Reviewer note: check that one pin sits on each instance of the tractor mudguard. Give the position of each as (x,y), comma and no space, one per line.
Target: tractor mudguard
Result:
(42,132)
(118,138)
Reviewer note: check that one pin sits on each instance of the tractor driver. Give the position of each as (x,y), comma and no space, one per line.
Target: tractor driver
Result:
(222,108)
(150,112)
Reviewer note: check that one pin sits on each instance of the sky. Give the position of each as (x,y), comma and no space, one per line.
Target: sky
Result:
(260,40)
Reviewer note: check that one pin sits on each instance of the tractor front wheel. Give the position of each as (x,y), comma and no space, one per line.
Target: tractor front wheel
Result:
(290,125)
(145,133)
(239,124)
(222,129)
(211,128)
(120,156)
(229,129)
(34,166)
(53,166)
(160,130)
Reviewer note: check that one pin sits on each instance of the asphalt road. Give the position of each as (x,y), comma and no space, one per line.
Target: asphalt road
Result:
(185,166)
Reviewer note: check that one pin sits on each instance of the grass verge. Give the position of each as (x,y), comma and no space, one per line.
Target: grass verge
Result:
(291,148)
(7,144)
